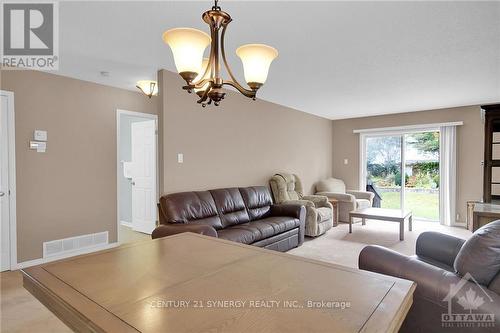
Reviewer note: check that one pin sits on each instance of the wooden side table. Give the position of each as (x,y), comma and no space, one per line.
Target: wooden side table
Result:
(484,213)
(335,204)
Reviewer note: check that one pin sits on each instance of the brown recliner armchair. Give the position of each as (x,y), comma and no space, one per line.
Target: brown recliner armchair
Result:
(287,189)
(458,282)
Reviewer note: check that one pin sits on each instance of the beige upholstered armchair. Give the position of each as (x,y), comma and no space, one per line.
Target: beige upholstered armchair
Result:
(287,188)
(347,200)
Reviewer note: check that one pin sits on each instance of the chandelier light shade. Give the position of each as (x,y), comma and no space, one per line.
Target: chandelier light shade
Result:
(148,87)
(256,59)
(188,46)
(203,75)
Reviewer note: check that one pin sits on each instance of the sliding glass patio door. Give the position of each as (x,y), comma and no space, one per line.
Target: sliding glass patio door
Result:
(404,170)
(384,157)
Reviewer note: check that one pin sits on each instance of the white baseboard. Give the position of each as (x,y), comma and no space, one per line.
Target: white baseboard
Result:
(40,261)
(126,224)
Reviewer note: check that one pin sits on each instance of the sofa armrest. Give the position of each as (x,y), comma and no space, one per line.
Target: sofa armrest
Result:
(296,211)
(362,195)
(343,197)
(439,247)
(433,284)
(318,200)
(172,229)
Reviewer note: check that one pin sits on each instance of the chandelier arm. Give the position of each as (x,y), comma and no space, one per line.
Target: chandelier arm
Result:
(215,48)
(205,94)
(243,91)
(234,83)
(201,83)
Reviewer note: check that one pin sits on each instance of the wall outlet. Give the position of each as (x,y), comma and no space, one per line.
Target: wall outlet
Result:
(458,217)
(180,158)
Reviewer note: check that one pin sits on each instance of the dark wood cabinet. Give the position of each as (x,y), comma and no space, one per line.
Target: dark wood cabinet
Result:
(491,190)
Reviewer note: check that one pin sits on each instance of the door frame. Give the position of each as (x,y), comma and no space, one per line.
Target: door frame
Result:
(147,116)
(11,132)
(404,130)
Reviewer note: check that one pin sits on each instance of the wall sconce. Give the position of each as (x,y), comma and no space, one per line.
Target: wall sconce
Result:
(148,87)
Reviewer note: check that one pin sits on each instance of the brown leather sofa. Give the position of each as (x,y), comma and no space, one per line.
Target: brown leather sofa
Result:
(245,215)
(456,280)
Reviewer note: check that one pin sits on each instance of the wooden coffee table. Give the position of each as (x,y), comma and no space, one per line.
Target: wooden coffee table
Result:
(392,215)
(193,283)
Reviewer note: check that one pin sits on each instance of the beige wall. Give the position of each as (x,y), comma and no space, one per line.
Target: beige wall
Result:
(469,146)
(241,142)
(71,189)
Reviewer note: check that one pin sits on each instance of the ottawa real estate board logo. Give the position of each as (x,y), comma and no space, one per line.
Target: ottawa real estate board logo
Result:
(30,35)
(465,301)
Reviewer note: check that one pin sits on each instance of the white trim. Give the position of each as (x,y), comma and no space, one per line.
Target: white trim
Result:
(421,127)
(41,261)
(362,166)
(119,113)
(403,172)
(126,224)
(11,129)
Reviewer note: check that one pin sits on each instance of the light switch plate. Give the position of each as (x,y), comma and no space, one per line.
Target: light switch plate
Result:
(40,135)
(180,158)
(346,161)
(39,146)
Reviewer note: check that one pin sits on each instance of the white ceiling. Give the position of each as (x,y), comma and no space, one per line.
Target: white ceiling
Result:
(337,59)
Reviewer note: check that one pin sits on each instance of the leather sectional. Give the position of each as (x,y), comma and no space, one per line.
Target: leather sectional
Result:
(245,215)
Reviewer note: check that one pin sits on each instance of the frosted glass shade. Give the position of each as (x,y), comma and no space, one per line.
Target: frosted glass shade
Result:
(148,87)
(256,59)
(200,76)
(188,46)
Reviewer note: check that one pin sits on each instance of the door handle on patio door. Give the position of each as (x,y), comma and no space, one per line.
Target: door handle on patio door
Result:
(2,194)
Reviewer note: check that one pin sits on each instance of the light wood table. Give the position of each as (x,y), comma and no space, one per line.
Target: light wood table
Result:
(193,283)
(335,205)
(484,213)
(392,215)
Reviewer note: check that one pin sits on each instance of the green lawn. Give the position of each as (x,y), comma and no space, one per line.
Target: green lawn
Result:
(424,205)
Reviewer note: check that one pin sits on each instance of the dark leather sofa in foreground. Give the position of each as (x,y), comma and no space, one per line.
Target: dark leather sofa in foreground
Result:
(245,215)
(458,282)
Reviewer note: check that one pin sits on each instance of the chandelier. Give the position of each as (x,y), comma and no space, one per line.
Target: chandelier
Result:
(148,87)
(203,75)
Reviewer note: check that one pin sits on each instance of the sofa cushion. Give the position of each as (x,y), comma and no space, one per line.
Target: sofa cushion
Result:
(363,203)
(231,206)
(257,200)
(480,254)
(279,224)
(258,230)
(190,207)
(237,235)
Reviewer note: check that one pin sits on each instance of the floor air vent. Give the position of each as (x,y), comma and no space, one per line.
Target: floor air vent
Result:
(73,244)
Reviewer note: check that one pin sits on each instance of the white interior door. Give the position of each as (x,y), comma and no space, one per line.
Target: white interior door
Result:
(144,176)
(4,185)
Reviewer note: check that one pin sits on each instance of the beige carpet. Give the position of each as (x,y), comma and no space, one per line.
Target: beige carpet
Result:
(338,246)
